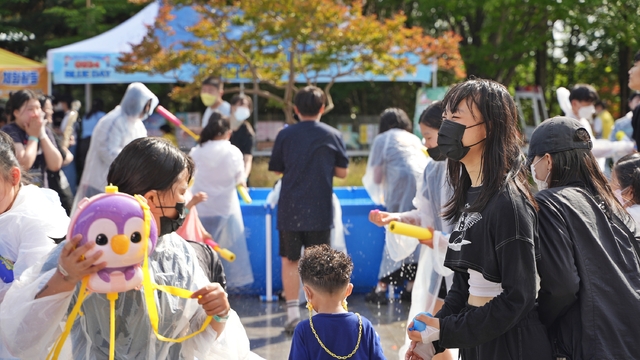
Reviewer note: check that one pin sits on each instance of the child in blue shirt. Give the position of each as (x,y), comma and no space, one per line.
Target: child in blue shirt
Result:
(333,332)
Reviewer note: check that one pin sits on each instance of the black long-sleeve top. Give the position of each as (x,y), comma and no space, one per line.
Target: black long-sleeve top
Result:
(498,242)
(590,277)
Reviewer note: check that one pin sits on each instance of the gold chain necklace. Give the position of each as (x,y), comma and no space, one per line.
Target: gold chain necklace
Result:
(329,351)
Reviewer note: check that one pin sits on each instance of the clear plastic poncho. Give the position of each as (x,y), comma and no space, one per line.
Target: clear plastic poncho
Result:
(28,227)
(396,163)
(433,194)
(113,132)
(30,326)
(219,169)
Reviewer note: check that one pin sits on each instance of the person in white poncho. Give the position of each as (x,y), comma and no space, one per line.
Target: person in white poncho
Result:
(395,164)
(112,133)
(30,218)
(219,169)
(41,299)
(432,279)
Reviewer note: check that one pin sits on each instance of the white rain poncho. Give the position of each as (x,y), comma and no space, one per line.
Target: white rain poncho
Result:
(30,326)
(28,227)
(113,132)
(219,169)
(396,163)
(429,202)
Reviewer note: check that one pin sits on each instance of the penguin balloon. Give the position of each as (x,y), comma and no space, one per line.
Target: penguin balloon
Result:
(116,223)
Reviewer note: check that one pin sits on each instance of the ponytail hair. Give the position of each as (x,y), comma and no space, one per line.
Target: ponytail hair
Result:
(627,170)
(218,125)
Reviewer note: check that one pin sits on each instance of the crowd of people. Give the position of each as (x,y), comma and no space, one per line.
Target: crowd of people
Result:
(525,256)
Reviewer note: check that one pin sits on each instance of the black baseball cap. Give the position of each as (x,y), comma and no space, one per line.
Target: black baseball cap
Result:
(555,135)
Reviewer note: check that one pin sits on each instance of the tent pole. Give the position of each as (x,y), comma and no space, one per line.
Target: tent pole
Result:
(434,74)
(49,90)
(87,97)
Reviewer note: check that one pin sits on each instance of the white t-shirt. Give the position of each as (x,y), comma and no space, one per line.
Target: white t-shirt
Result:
(224,109)
(219,169)
(634,211)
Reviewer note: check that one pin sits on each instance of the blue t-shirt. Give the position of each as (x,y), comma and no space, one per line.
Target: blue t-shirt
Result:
(89,123)
(339,333)
(307,154)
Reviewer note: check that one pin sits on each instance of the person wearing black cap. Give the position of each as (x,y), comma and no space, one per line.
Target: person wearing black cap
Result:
(589,296)
(490,311)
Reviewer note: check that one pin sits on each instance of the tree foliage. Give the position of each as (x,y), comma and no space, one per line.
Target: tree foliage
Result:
(284,41)
(31,27)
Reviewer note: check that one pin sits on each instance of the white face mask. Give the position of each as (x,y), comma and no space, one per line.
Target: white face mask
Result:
(542,184)
(618,194)
(242,113)
(586,112)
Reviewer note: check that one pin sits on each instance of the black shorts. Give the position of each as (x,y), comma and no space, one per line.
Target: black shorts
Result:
(291,242)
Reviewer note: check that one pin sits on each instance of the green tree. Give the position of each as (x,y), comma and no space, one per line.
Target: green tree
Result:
(284,39)
(31,27)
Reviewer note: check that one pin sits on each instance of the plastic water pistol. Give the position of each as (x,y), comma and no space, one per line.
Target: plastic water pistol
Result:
(175,121)
(224,253)
(419,325)
(410,230)
(244,194)
(6,270)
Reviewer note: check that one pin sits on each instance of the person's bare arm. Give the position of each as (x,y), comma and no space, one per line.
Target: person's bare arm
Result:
(26,155)
(73,262)
(68,157)
(52,156)
(248,161)
(340,172)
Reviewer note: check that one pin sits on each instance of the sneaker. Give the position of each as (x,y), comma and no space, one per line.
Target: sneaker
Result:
(291,326)
(376,297)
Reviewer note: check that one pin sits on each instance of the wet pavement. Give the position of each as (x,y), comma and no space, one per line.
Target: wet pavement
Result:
(264,323)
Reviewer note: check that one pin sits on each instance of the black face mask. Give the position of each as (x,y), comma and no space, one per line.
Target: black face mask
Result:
(168,225)
(436,154)
(450,140)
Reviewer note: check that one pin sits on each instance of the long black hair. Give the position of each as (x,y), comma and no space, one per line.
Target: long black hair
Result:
(627,170)
(17,99)
(579,167)
(502,160)
(218,125)
(147,164)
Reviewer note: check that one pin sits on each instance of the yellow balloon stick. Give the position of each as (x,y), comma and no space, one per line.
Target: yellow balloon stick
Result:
(410,230)
(244,194)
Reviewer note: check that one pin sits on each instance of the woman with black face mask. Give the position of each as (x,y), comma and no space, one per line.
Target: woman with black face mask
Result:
(160,172)
(490,311)
(432,278)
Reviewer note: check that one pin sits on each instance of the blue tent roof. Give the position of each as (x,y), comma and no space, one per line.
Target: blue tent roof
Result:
(94,60)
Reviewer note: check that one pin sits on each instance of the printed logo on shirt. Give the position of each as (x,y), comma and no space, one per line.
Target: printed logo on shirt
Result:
(466,221)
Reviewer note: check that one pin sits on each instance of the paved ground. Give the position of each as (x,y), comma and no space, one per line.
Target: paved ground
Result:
(264,324)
